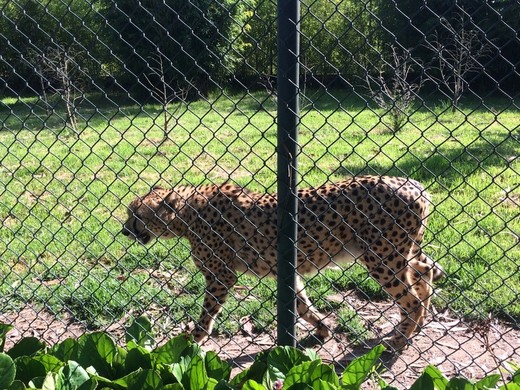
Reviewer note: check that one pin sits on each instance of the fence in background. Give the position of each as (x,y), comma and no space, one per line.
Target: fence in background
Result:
(103,100)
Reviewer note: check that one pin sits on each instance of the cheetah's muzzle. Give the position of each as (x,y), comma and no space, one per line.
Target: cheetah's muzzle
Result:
(143,238)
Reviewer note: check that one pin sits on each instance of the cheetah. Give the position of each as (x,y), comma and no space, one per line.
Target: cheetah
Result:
(231,230)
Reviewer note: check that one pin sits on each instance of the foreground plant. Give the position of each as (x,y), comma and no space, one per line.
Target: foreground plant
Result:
(95,361)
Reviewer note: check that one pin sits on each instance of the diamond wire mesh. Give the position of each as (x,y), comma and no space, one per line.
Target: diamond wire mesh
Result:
(103,100)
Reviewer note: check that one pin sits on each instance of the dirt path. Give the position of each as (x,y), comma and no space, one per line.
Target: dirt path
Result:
(457,348)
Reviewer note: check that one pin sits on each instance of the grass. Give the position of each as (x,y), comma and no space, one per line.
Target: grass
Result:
(63,197)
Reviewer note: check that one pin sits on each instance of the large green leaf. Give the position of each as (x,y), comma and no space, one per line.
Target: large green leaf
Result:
(256,371)
(223,385)
(141,380)
(195,377)
(323,385)
(104,383)
(66,350)
(285,358)
(488,382)
(172,350)
(309,373)
(7,371)
(359,369)
(4,328)
(510,386)
(47,382)
(425,382)
(28,367)
(216,367)
(211,384)
(119,362)
(27,346)
(460,384)
(138,357)
(99,351)
(173,386)
(178,369)
(73,377)
(431,378)
(17,385)
(140,332)
(49,362)
(251,384)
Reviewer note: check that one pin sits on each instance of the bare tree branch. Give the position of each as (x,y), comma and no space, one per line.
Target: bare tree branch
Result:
(59,70)
(458,51)
(164,93)
(394,93)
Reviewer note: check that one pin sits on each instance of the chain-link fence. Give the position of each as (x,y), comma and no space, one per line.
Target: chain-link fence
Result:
(103,100)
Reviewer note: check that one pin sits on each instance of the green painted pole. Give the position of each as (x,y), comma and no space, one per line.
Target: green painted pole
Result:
(287,150)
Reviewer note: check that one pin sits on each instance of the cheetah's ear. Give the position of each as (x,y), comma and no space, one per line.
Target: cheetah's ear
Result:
(170,206)
(155,198)
(146,203)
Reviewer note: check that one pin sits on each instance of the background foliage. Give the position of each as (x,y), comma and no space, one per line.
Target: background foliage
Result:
(224,44)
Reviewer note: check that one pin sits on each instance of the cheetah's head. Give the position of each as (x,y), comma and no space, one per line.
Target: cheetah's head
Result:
(149,216)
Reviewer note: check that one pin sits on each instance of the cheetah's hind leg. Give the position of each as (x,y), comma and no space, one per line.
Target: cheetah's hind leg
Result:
(409,282)
(412,291)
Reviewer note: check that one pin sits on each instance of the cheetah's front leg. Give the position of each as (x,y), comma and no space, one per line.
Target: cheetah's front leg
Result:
(218,285)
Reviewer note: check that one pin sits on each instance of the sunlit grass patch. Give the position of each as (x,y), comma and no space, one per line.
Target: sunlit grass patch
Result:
(64,197)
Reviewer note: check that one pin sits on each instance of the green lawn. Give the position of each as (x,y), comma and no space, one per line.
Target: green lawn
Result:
(63,197)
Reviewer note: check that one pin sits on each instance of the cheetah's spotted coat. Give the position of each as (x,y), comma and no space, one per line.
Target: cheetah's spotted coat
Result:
(380,220)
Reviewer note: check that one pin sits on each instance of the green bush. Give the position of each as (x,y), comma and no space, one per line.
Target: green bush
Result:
(95,361)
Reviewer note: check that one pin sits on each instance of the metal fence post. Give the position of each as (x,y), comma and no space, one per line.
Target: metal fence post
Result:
(288,120)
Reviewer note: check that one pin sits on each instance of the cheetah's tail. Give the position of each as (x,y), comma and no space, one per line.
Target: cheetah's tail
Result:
(438,271)
(435,267)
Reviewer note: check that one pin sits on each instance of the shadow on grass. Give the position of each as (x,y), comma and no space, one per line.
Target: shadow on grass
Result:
(450,162)
(95,111)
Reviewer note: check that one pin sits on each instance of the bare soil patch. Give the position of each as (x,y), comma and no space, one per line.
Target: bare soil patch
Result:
(457,348)
(454,346)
